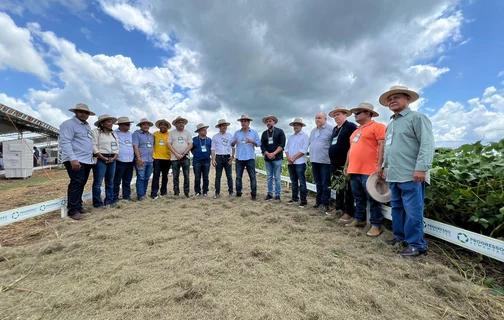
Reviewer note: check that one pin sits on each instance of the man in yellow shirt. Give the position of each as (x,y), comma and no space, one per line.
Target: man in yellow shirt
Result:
(162,158)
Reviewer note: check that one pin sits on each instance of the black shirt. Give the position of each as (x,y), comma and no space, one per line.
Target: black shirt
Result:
(338,151)
(278,141)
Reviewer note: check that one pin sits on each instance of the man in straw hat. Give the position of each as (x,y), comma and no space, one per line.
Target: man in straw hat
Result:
(76,143)
(222,156)
(201,160)
(272,146)
(106,150)
(295,151)
(365,158)
(320,140)
(124,163)
(340,144)
(409,151)
(246,140)
(162,159)
(180,143)
(143,143)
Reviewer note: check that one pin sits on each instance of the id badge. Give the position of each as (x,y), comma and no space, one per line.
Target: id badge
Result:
(356,139)
(244,140)
(127,143)
(225,142)
(149,144)
(270,140)
(180,140)
(90,135)
(113,146)
(161,142)
(334,141)
(203,149)
(388,141)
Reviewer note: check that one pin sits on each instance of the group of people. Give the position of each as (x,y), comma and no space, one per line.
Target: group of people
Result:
(400,153)
(40,157)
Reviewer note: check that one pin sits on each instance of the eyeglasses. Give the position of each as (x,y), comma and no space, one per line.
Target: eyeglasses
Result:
(359,112)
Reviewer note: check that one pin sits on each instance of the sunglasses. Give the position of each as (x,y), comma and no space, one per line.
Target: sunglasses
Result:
(125,124)
(359,112)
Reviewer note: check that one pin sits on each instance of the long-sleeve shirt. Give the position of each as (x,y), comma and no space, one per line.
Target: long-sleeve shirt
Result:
(245,150)
(298,143)
(270,141)
(320,139)
(105,143)
(126,153)
(409,146)
(76,141)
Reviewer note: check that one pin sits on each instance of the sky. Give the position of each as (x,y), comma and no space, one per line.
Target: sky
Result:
(207,60)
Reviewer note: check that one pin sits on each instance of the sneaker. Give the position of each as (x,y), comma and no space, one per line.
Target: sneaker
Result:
(303,204)
(356,224)
(268,197)
(196,195)
(83,210)
(374,231)
(323,208)
(205,195)
(216,196)
(186,195)
(141,198)
(395,241)
(277,198)
(412,252)
(155,197)
(292,201)
(231,195)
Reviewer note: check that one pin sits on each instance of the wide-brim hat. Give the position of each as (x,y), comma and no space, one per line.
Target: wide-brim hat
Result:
(222,121)
(270,117)
(340,109)
(378,188)
(297,120)
(244,117)
(122,120)
(158,123)
(174,122)
(144,120)
(82,107)
(398,89)
(104,117)
(201,126)
(367,107)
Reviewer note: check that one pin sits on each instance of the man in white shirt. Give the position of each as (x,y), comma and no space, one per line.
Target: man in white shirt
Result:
(295,151)
(222,156)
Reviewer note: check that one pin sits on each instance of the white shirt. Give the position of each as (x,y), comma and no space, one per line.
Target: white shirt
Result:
(221,143)
(298,143)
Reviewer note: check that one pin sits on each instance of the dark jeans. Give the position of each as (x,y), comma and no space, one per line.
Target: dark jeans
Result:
(76,186)
(176,165)
(124,174)
(161,167)
(322,177)
(222,162)
(361,200)
(240,167)
(201,170)
(344,197)
(103,170)
(297,175)
(407,201)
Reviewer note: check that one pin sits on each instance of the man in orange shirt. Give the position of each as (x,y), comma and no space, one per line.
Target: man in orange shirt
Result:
(365,158)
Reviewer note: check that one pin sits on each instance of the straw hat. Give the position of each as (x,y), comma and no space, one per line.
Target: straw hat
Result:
(104,117)
(174,122)
(200,126)
(366,107)
(82,107)
(163,121)
(398,89)
(245,117)
(144,120)
(340,109)
(378,189)
(222,121)
(122,120)
(269,117)
(297,120)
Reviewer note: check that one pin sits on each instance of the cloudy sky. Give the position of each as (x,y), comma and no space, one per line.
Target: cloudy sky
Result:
(207,60)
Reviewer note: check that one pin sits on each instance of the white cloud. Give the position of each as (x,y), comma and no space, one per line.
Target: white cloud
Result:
(41,6)
(17,51)
(489,91)
(500,74)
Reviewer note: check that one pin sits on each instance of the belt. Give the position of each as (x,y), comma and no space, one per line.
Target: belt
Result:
(224,155)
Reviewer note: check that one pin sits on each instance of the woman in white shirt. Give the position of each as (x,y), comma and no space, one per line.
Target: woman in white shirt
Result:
(105,149)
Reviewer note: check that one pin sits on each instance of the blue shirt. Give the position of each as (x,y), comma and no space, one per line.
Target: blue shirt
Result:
(145,143)
(126,153)
(298,143)
(76,141)
(320,140)
(246,151)
(201,148)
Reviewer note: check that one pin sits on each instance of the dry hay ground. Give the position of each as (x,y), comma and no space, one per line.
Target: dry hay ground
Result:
(177,258)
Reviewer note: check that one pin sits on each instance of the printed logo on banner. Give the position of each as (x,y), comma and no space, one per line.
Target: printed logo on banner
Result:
(437,229)
(462,237)
(42,207)
(3,218)
(63,202)
(15,215)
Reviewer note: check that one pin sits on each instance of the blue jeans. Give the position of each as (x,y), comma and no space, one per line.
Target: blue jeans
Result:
(362,198)
(124,174)
(161,167)
(201,170)
(240,167)
(44,161)
(222,162)
(297,174)
(322,177)
(78,180)
(407,201)
(273,171)
(143,176)
(183,163)
(103,170)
